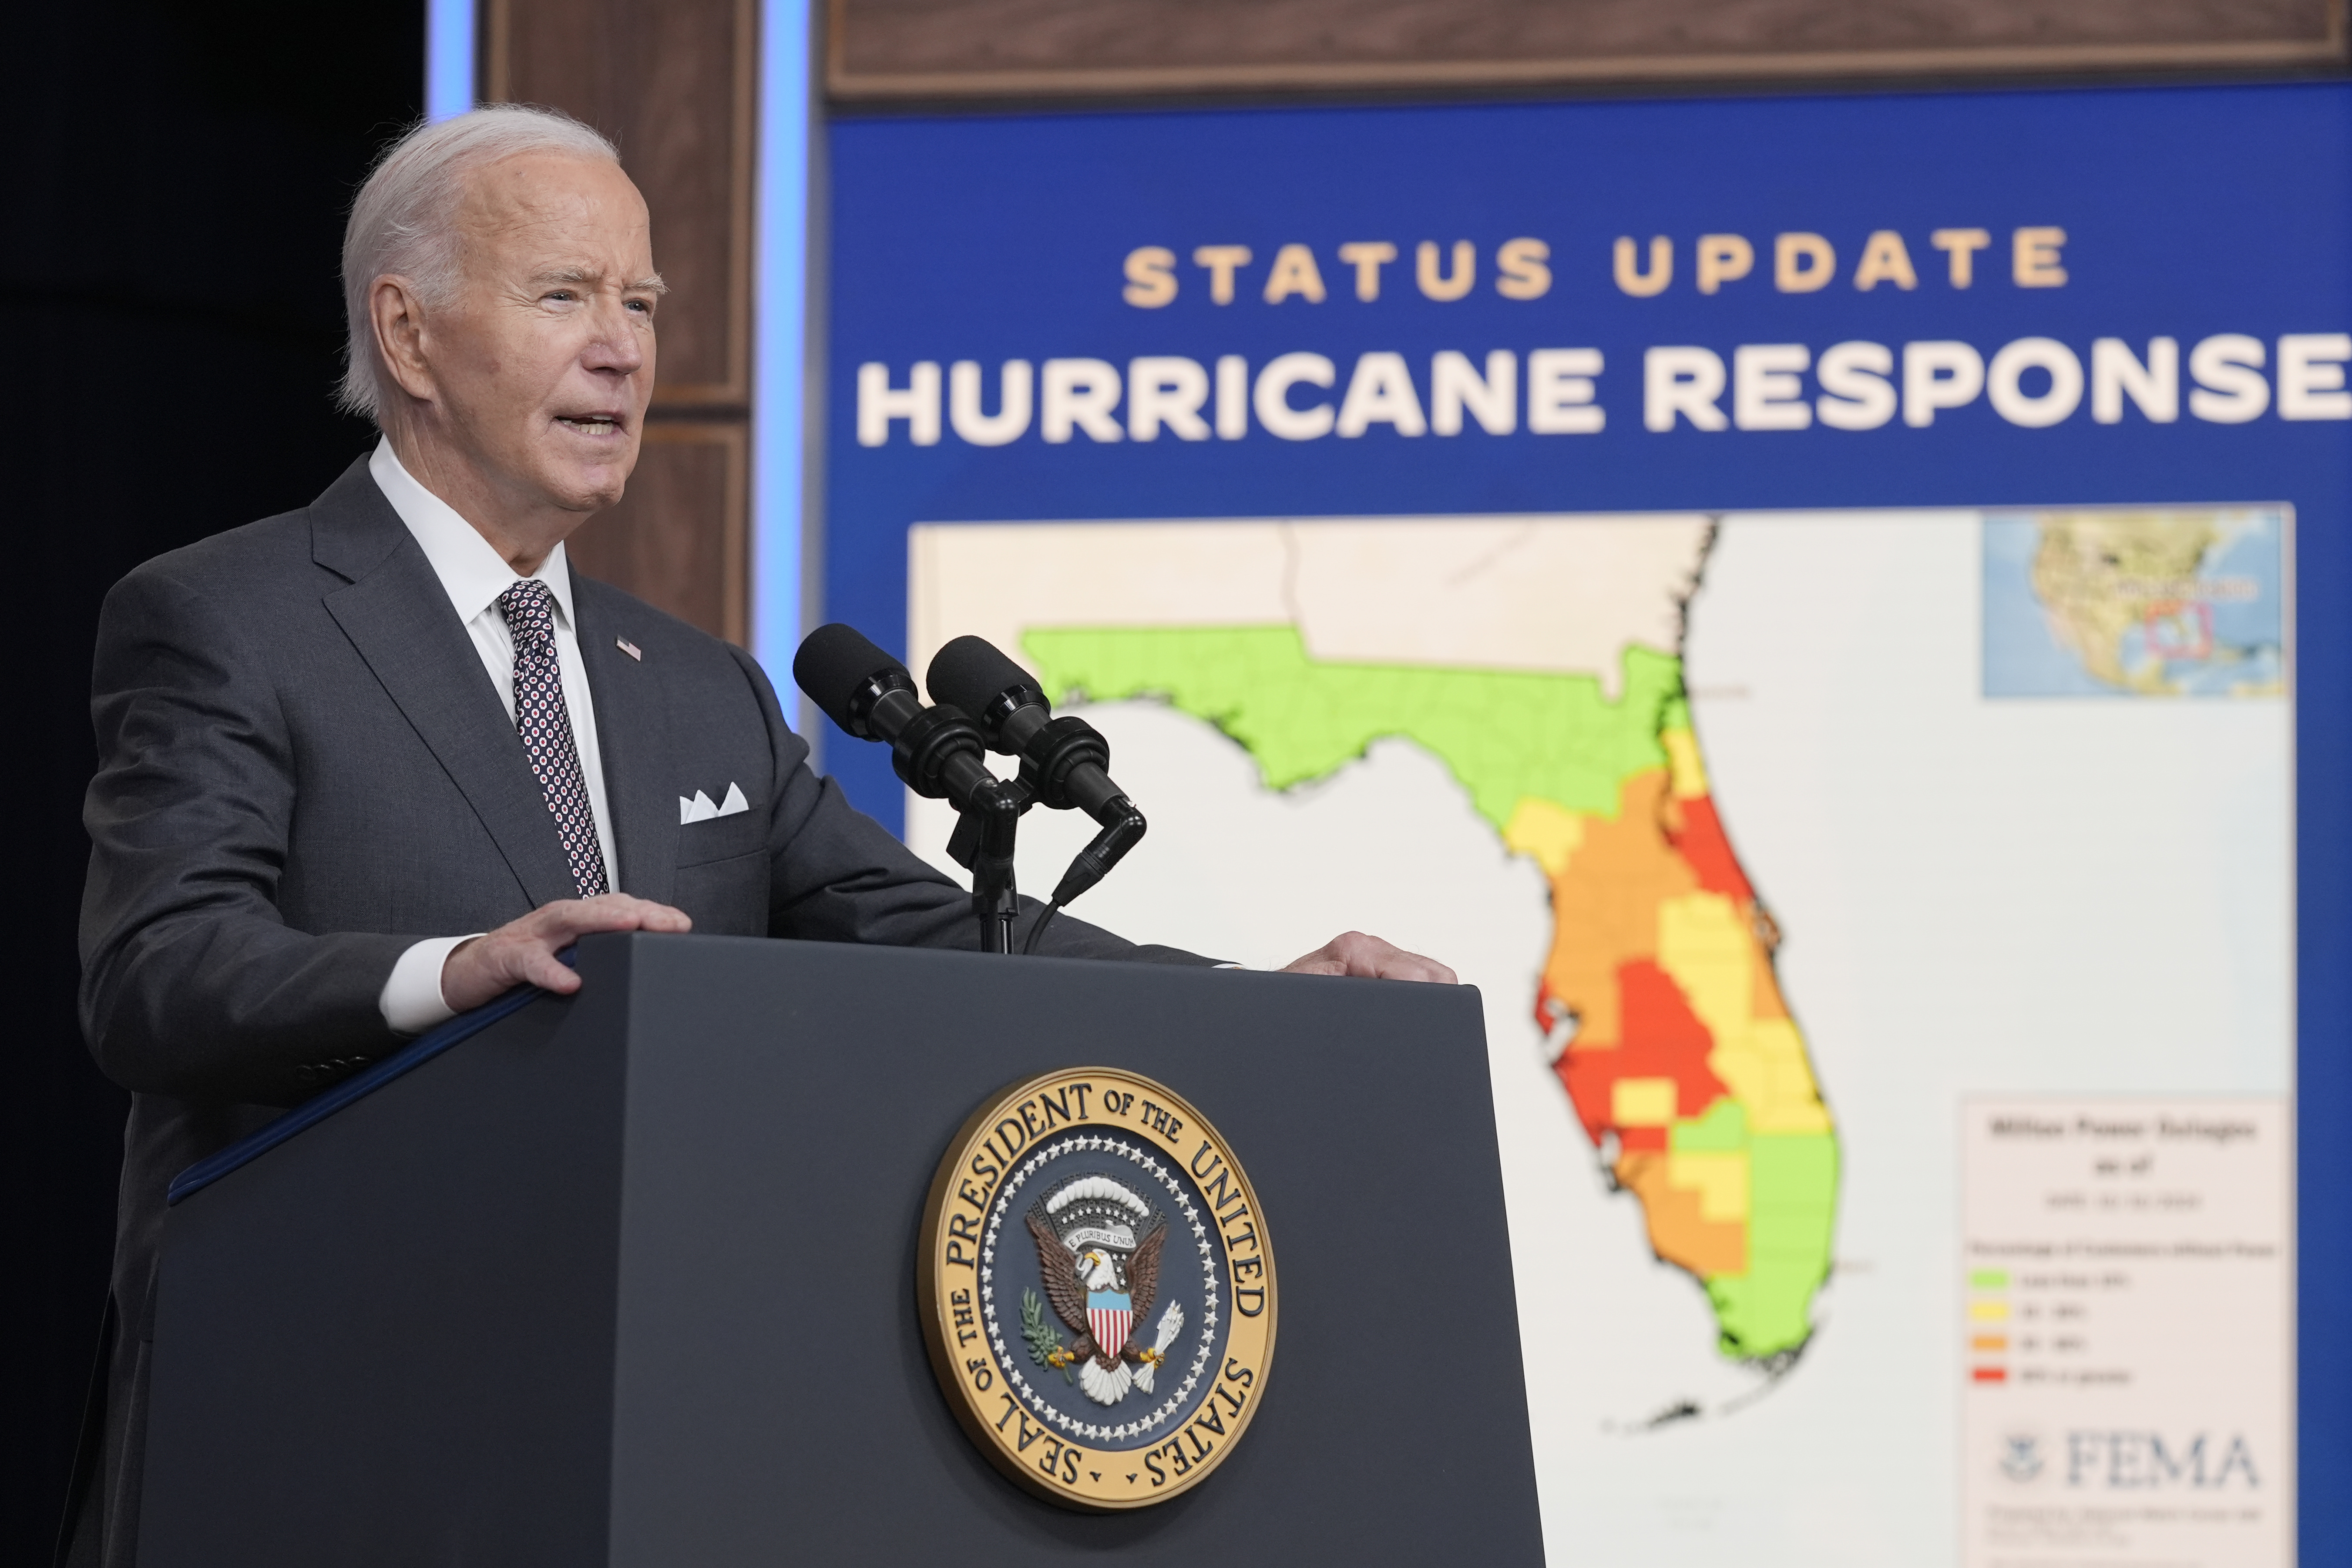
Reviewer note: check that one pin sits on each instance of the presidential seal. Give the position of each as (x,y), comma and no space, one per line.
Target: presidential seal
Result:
(1096,1289)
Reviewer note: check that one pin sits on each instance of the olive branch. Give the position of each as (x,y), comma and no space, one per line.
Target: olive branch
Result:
(1044,1345)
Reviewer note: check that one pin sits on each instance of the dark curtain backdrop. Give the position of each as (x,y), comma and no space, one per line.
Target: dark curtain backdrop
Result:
(176,200)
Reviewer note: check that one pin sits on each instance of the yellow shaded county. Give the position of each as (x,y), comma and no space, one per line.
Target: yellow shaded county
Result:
(1605,905)
(1641,1101)
(1680,1231)
(1683,764)
(1714,954)
(1545,832)
(1719,1177)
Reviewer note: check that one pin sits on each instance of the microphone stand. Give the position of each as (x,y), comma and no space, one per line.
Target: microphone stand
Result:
(982,843)
(986,825)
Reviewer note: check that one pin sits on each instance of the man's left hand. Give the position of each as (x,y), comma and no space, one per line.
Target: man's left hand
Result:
(1370,958)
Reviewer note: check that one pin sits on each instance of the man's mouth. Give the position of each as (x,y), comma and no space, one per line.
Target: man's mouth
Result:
(590,424)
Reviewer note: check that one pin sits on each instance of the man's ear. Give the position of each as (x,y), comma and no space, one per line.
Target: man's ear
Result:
(398,318)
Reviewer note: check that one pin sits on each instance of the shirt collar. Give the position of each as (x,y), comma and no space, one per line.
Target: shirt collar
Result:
(471,572)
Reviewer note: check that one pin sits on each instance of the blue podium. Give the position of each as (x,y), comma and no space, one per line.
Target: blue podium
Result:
(628,1278)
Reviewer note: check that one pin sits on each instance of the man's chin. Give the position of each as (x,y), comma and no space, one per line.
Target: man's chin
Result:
(592,486)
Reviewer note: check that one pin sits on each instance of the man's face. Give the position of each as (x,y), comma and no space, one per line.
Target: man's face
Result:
(545,360)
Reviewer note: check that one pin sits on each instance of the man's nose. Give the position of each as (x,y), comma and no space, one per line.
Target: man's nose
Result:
(618,347)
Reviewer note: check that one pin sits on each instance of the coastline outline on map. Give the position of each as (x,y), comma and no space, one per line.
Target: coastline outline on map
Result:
(1569,728)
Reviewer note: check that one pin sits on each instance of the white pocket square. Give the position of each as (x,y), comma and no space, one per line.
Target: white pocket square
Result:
(698,807)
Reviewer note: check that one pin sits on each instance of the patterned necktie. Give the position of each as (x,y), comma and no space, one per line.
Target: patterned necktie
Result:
(545,726)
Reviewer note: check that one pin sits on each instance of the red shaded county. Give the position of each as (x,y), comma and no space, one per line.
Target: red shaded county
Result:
(1661,1037)
(1702,844)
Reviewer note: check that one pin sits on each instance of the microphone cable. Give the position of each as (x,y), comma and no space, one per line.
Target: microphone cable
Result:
(1037,931)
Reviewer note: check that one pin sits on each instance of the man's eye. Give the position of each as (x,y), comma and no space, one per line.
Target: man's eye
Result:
(565,295)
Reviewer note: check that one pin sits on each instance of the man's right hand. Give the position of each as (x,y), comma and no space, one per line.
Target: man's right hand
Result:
(523,952)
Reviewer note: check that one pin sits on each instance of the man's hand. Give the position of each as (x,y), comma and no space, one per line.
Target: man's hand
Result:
(1370,958)
(523,952)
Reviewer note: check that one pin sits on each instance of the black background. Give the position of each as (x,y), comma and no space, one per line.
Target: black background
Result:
(181,174)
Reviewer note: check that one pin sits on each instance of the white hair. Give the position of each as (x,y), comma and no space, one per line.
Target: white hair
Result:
(404,219)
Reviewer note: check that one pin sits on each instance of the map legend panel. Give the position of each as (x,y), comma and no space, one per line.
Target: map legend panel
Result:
(2126,1326)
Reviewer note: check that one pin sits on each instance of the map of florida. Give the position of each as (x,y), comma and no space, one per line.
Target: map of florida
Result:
(1683,1063)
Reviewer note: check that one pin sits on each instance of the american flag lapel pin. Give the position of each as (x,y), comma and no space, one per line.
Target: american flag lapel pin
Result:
(626,647)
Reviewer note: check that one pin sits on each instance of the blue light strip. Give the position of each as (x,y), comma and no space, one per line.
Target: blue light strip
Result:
(449,57)
(779,368)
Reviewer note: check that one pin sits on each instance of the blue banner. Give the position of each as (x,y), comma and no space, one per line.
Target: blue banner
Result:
(2068,368)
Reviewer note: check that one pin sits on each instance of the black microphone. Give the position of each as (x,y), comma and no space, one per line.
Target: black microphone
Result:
(936,751)
(1065,762)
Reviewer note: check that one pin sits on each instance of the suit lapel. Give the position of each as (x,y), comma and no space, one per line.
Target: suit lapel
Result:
(399,618)
(632,731)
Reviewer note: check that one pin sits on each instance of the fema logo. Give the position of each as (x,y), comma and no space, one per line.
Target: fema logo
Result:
(2020,1456)
(1099,1288)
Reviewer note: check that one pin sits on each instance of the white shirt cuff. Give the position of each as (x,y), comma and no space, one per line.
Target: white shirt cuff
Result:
(410,999)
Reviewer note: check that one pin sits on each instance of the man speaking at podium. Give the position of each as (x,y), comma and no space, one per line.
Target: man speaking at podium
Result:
(370,763)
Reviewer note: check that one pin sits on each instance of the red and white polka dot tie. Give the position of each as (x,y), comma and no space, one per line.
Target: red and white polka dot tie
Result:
(545,725)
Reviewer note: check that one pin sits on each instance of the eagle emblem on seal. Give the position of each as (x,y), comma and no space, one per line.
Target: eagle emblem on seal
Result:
(1099,1248)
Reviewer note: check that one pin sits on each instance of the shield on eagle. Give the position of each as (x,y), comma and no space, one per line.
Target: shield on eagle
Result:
(1110,1313)
(1098,1249)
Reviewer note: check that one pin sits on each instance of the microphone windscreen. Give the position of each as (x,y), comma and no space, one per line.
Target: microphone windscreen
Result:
(834,663)
(969,673)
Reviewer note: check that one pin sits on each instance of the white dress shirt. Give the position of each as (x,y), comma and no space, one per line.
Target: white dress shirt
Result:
(473,574)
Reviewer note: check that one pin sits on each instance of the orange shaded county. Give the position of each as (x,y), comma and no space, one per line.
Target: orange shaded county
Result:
(1677,1051)
(1680,1231)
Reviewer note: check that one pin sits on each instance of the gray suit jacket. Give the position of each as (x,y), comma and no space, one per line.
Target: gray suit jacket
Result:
(304,768)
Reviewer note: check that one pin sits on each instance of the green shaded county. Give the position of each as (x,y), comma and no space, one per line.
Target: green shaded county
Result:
(1723,1130)
(1791,1201)
(1505,734)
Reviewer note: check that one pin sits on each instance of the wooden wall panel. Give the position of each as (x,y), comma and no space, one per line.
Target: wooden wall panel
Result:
(659,543)
(882,50)
(674,84)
